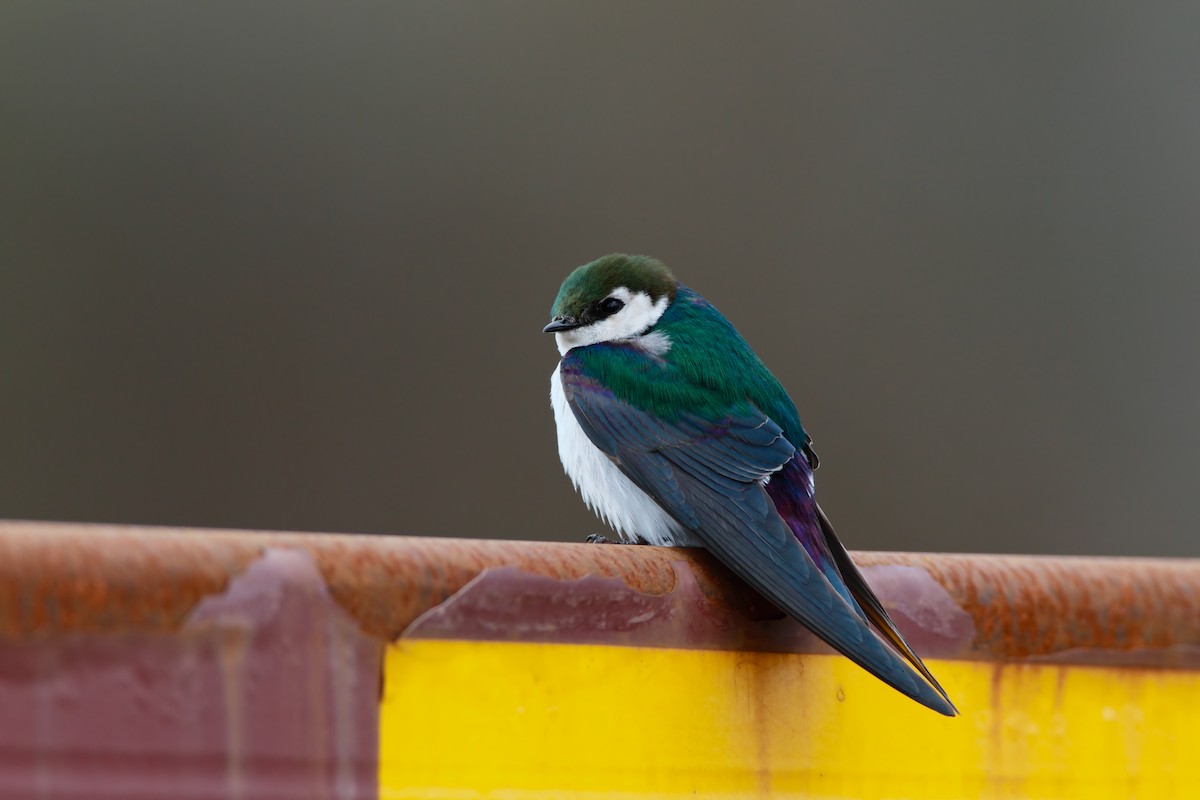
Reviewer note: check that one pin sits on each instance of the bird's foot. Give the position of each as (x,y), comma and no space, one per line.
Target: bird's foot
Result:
(596,538)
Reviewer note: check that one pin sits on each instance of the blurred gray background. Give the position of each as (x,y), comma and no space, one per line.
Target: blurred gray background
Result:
(281,266)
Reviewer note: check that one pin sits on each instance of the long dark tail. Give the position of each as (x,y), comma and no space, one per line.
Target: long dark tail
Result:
(871,606)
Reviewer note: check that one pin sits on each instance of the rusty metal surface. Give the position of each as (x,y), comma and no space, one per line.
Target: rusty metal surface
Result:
(1030,607)
(71,577)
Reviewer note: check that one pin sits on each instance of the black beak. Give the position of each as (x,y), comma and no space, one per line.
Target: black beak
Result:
(561,324)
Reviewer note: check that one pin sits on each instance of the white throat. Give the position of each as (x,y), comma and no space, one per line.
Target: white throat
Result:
(638,314)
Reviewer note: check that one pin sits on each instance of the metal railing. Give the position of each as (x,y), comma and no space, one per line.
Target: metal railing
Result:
(59,577)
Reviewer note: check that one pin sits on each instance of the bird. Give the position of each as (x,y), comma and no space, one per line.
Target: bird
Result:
(676,434)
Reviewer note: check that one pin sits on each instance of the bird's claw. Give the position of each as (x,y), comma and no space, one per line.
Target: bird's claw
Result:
(595,538)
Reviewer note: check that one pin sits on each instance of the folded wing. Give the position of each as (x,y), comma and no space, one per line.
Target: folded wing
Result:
(709,474)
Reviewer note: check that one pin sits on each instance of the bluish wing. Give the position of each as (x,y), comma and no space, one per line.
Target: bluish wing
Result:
(709,475)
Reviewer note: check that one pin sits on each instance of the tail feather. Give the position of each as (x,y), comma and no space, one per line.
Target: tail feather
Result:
(871,606)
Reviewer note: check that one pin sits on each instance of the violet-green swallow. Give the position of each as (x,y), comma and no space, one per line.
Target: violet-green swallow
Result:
(675,433)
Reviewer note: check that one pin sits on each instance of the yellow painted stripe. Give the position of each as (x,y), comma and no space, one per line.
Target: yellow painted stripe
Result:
(501,720)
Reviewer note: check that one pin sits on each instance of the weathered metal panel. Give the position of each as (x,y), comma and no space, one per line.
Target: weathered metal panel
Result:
(142,662)
(267,690)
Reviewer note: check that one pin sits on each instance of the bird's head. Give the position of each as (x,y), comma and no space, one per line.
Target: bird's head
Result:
(615,297)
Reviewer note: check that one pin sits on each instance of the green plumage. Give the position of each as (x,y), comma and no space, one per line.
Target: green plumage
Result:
(596,279)
(709,371)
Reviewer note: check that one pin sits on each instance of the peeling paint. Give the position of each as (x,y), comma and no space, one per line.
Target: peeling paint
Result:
(506,604)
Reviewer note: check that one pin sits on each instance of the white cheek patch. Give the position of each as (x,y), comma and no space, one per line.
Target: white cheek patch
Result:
(638,314)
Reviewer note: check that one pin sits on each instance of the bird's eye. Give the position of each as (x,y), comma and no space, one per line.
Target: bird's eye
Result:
(611,305)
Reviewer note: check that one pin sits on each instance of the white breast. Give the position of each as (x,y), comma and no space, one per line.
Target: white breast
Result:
(626,508)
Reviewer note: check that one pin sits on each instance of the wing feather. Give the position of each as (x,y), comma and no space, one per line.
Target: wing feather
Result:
(709,475)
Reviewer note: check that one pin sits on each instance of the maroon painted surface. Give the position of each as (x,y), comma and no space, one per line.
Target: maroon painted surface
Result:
(268,691)
(506,604)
